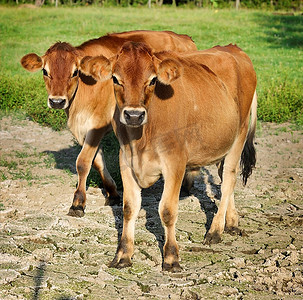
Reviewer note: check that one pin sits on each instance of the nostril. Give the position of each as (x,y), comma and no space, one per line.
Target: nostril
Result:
(126,115)
(56,101)
(141,116)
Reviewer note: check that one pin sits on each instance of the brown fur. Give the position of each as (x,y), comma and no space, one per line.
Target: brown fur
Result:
(90,104)
(205,120)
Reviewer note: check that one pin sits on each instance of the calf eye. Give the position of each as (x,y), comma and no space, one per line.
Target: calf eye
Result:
(44,72)
(75,73)
(153,81)
(115,80)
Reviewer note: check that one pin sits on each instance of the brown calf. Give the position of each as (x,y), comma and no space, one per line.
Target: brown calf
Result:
(177,112)
(89,104)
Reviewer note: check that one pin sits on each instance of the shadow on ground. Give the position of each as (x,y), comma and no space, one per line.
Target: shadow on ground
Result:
(283,31)
(65,159)
(204,189)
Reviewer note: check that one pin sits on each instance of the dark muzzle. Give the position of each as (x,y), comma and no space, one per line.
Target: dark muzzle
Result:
(134,117)
(57,103)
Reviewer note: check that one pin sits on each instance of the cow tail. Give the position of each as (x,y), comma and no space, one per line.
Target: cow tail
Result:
(248,156)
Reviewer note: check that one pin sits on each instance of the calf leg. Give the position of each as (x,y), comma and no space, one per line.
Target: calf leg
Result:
(188,180)
(232,217)
(83,165)
(131,208)
(168,210)
(227,211)
(113,197)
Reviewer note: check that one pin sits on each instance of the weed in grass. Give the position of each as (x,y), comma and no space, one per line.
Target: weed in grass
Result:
(24,175)
(68,172)
(32,163)
(11,165)
(21,154)
(3,177)
(280,130)
(50,160)
(281,101)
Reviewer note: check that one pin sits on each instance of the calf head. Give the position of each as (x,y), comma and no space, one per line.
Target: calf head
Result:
(60,67)
(135,72)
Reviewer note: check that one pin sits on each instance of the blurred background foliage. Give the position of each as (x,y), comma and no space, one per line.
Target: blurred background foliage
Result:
(287,5)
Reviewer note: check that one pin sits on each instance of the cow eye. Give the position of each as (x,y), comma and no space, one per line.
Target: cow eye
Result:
(153,81)
(44,72)
(115,80)
(75,73)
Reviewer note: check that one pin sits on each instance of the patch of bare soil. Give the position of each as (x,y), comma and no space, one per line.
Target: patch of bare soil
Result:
(45,254)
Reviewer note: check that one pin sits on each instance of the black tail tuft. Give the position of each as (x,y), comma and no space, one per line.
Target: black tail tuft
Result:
(248,158)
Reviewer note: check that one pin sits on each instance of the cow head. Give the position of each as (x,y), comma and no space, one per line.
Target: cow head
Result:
(60,67)
(135,72)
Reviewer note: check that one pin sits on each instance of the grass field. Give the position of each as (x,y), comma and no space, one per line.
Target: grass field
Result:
(274,43)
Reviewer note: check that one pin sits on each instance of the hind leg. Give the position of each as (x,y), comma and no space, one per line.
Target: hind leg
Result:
(110,187)
(227,213)
(220,166)
(188,180)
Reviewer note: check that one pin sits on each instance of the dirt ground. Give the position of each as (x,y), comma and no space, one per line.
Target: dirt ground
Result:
(45,254)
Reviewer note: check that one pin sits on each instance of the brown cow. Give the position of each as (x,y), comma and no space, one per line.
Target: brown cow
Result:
(89,104)
(177,112)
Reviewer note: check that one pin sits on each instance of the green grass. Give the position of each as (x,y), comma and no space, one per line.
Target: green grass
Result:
(273,42)
(23,165)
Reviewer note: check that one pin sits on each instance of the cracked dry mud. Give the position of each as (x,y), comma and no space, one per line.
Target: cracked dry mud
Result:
(45,254)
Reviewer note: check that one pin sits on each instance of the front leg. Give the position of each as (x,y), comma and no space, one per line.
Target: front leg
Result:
(168,210)
(131,208)
(83,165)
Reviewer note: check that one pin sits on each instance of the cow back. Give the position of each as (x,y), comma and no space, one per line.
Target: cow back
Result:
(213,95)
(109,44)
(232,67)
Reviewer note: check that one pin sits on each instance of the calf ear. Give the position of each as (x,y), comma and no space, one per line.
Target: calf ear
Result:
(169,70)
(31,62)
(98,67)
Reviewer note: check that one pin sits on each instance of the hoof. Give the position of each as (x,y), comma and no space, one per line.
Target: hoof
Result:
(112,200)
(235,231)
(232,230)
(76,211)
(119,264)
(212,238)
(173,268)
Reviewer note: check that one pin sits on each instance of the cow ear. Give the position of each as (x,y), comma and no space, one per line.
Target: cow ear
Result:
(98,67)
(169,70)
(32,62)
